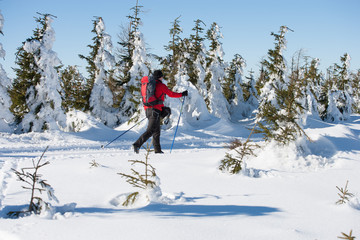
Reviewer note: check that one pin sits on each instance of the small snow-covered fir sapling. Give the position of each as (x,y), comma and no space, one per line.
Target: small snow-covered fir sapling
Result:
(344,194)
(31,177)
(233,164)
(348,237)
(145,180)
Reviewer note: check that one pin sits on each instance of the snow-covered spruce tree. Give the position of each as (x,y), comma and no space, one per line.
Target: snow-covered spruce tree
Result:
(195,109)
(126,41)
(324,93)
(137,64)
(344,85)
(262,79)
(233,82)
(215,74)
(302,85)
(200,70)
(279,112)
(138,70)
(6,117)
(100,65)
(233,79)
(36,99)
(165,63)
(175,47)
(313,79)
(355,79)
(336,97)
(197,55)
(250,93)
(75,89)
(27,77)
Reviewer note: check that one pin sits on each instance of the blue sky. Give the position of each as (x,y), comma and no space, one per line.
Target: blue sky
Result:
(325,29)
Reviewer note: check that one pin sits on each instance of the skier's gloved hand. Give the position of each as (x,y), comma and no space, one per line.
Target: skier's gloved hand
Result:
(185,93)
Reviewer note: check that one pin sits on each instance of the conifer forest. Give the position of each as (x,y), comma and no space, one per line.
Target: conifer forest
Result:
(44,90)
(266,153)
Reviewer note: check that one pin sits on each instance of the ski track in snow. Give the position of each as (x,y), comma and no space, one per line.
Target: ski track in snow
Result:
(5,176)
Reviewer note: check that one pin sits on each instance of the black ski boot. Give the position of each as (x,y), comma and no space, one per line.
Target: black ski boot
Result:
(136,149)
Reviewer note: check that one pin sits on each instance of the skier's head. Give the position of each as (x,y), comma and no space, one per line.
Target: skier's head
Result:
(158,74)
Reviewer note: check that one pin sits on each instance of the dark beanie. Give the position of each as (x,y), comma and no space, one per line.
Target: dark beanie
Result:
(158,74)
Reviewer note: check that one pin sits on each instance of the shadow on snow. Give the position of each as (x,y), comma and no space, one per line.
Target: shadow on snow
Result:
(206,210)
(164,210)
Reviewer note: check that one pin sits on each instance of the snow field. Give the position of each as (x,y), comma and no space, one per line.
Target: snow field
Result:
(294,198)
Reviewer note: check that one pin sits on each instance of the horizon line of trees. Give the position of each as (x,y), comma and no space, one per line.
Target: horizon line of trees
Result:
(43,90)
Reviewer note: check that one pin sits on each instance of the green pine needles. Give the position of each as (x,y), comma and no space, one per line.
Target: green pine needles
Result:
(31,177)
(233,164)
(280,111)
(143,180)
(347,236)
(175,46)
(344,194)
(76,89)
(280,108)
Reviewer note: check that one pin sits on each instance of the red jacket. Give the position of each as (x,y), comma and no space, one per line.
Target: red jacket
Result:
(160,92)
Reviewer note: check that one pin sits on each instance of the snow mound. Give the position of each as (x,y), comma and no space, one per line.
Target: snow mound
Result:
(300,156)
(78,121)
(63,212)
(145,197)
(354,203)
(57,212)
(49,212)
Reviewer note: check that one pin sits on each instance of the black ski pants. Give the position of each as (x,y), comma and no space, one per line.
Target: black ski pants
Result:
(153,129)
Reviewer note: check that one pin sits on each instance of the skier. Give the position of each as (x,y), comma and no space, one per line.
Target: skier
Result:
(154,113)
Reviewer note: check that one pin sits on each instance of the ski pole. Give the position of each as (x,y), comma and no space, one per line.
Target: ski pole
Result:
(102,146)
(182,104)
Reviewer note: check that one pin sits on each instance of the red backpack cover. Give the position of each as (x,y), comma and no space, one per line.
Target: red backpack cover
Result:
(148,87)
